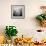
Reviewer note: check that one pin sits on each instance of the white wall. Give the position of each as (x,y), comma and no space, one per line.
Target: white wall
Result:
(25,26)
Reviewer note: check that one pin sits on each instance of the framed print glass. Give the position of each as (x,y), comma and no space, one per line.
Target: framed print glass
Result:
(17,11)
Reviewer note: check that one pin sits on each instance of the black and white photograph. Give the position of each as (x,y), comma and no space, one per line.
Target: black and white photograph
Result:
(17,11)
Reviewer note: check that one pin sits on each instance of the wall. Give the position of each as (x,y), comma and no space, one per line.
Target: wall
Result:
(25,26)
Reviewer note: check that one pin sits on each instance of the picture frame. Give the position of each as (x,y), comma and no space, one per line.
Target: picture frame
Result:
(17,11)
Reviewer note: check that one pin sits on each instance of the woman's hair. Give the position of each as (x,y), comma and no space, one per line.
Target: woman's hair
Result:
(42,7)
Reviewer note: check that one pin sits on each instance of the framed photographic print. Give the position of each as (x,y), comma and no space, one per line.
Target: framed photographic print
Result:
(17,11)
